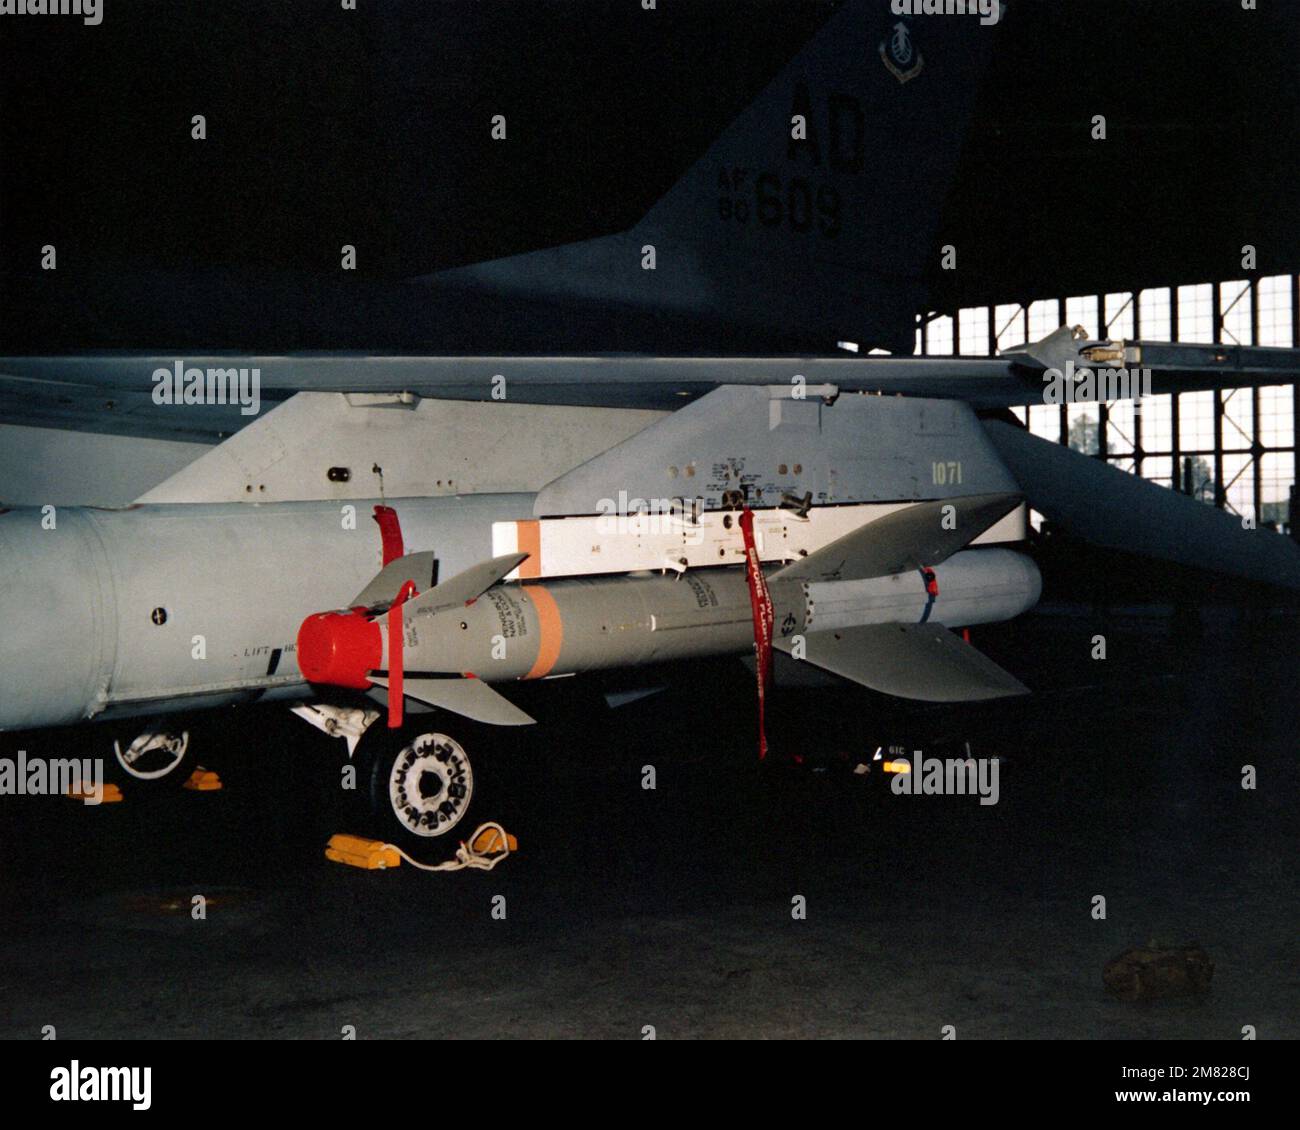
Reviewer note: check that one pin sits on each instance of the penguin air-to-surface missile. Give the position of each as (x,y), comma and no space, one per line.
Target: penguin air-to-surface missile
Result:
(875,606)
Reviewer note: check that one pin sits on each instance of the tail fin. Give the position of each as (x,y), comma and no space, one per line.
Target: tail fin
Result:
(812,217)
(827,189)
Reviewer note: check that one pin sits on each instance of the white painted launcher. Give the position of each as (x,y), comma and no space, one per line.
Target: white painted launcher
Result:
(573,547)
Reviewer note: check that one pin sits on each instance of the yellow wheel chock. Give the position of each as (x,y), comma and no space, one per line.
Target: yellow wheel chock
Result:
(487,847)
(200,781)
(370,855)
(203,781)
(108,793)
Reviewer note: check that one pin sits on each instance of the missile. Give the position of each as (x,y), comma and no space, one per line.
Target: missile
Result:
(126,614)
(858,606)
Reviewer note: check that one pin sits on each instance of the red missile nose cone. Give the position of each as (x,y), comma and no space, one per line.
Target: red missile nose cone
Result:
(339,648)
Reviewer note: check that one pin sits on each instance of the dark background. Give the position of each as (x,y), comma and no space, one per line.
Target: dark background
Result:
(328,126)
(671,907)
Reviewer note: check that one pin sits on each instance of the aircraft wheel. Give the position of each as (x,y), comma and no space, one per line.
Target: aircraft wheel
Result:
(152,759)
(425,794)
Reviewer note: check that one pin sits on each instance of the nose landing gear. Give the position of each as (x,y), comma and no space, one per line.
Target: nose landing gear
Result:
(153,758)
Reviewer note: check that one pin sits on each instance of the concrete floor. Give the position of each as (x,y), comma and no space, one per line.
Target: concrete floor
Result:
(672,908)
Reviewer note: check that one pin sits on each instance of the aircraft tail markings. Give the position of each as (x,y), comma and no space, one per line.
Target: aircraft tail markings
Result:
(826,189)
(813,216)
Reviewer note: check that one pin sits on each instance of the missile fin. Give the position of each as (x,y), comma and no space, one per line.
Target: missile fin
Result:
(470,698)
(387,583)
(459,590)
(924,534)
(919,661)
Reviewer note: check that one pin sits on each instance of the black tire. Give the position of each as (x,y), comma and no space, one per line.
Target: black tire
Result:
(431,784)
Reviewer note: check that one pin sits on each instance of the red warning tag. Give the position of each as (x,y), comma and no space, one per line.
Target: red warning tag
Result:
(761,603)
(390,530)
(397,657)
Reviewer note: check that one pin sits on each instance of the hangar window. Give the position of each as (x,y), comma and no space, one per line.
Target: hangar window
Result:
(1044,317)
(1239,484)
(1276,416)
(1156,468)
(1235,305)
(1196,478)
(1045,421)
(1121,429)
(1275,310)
(1153,312)
(1012,325)
(973,331)
(939,335)
(1084,428)
(1238,419)
(1276,474)
(1233,448)
(1119,316)
(1196,313)
(1158,424)
(1196,421)
(1083,312)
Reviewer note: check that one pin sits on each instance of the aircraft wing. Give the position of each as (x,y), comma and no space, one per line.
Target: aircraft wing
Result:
(115,393)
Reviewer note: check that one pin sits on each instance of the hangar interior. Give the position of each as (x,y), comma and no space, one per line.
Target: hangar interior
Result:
(669,908)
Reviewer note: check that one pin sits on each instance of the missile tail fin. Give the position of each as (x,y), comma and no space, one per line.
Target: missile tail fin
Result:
(469,697)
(387,583)
(919,661)
(924,534)
(466,586)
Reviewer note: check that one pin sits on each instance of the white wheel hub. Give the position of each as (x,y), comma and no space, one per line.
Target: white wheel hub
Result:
(151,756)
(430,785)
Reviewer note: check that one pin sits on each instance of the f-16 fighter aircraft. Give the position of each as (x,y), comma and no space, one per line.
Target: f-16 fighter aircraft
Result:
(398,541)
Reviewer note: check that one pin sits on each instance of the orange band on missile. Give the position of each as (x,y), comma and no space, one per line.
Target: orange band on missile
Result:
(549,628)
(528,539)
